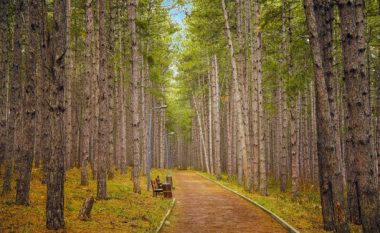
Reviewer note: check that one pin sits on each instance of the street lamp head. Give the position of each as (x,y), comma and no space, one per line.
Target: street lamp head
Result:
(160,107)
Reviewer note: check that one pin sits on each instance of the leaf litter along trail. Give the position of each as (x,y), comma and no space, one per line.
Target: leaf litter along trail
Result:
(203,206)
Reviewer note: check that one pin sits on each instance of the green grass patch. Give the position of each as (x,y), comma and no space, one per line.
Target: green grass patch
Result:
(125,211)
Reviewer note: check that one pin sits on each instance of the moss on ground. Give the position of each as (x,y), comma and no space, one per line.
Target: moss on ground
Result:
(125,211)
(305,213)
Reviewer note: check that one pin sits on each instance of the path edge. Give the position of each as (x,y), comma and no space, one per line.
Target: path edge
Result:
(286,225)
(172,204)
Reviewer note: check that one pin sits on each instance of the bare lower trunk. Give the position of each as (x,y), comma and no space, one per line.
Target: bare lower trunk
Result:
(85,211)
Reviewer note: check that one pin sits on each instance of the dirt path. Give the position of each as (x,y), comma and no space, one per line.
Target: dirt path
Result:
(203,206)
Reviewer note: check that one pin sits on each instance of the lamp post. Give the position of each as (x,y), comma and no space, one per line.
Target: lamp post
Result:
(149,145)
(168,150)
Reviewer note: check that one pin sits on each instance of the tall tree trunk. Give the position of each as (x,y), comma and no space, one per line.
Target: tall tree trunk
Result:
(68,96)
(209,125)
(123,136)
(25,160)
(257,60)
(162,135)
(254,98)
(56,167)
(87,91)
(95,101)
(203,118)
(201,135)
(3,77)
(358,140)
(313,134)
(241,142)
(331,188)
(132,5)
(103,150)
(15,123)
(110,88)
(216,114)
(282,136)
(243,88)
(143,132)
(378,123)
(294,150)
(283,100)
(229,134)
(46,53)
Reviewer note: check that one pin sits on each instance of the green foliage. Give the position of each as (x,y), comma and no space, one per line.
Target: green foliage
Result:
(205,36)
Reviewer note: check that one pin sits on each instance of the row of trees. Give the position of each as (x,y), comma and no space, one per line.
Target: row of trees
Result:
(258,111)
(30,33)
(78,81)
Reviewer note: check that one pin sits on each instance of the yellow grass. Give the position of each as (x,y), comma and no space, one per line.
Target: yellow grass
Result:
(123,212)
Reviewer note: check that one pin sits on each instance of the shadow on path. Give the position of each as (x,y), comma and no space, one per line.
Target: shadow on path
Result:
(203,206)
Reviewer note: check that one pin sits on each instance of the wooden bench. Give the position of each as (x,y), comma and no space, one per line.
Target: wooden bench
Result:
(155,189)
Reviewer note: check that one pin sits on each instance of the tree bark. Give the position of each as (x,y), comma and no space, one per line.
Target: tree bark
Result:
(25,160)
(3,77)
(294,150)
(68,96)
(378,125)
(85,211)
(132,8)
(103,150)
(331,188)
(359,135)
(210,124)
(15,123)
(46,58)
(95,101)
(201,135)
(56,167)
(87,92)
(254,96)
(241,142)
(110,88)
(216,114)
(283,100)
(258,91)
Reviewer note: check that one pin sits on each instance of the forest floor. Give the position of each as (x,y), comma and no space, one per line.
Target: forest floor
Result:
(305,213)
(203,206)
(125,211)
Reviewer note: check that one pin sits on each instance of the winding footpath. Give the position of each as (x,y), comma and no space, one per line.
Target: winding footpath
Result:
(204,207)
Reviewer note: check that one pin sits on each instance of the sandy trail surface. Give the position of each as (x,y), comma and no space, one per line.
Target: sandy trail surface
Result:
(203,206)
